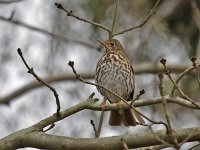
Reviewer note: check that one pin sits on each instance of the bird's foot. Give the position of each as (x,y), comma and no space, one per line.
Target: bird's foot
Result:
(103,104)
(121,104)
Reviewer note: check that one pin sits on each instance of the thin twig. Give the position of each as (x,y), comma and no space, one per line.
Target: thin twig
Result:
(188,70)
(196,13)
(186,138)
(169,127)
(94,128)
(114,19)
(159,139)
(194,146)
(168,73)
(138,96)
(198,76)
(100,123)
(151,13)
(124,145)
(50,127)
(70,13)
(164,102)
(71,64)
(180,76)
(193,59)
(31,71)
(158,147)
(196,19)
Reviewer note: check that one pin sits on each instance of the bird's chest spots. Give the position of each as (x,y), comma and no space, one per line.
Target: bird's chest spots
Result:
(113,71)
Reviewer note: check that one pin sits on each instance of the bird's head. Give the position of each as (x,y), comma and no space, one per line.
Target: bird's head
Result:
(112,45)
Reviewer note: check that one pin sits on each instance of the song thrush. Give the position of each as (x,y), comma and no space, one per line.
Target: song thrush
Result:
(115,72)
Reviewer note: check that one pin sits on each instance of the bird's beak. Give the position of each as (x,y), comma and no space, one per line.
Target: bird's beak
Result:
(102,43)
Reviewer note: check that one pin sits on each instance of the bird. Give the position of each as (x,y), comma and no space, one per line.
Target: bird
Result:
(115,72)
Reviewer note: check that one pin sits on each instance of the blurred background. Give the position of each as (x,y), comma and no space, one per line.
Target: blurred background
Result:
(49,39)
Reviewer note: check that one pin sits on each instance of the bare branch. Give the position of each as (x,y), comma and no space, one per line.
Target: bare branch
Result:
(114,19)
(30,137)
(34,84)
(192,148)
(180,76)
(124,145)
(170,131)
(10,1)
(169,128)
(100,123)
(186,138)
(31,71)
(151,13)
(139,69)
(159,147)
(94,128)
(168,73)
(70,13)
(47,33)
(50,127)
(196,19)
(196,13)
(160,139)
(138,96)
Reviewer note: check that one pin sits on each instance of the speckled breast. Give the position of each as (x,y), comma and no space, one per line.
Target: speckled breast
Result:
(114,72)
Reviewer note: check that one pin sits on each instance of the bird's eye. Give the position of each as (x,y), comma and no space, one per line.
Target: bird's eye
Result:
(112,44)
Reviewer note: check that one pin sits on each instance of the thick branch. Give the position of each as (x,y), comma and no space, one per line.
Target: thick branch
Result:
(34,137)
(150,101)
(42,140)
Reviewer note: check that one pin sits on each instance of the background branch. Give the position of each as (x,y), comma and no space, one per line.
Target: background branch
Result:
(45,32)
(10,1)
(139,69)
(114,19)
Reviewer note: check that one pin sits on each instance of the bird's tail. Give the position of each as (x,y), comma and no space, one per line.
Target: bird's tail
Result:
(126,117)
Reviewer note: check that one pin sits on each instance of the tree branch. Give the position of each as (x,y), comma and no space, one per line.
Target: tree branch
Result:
(34,137)
(31,71)
(10,1)
(44,32)
(70,13)
(114,19)
(151,13)
(31,138)
(168,73)
(139,69)
(180,76)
